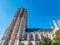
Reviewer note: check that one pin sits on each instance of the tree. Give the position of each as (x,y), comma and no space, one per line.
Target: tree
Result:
(39,43)
(42,42)
(45,41)
(56,39)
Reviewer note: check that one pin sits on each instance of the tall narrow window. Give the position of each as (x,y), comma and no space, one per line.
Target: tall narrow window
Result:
(42,36)
(31,37)
(36,37)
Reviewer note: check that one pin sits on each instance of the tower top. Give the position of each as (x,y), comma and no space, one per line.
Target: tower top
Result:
(20,11)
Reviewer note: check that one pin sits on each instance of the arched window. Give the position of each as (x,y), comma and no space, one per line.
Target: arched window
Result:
(42,36)
(36,37)
(31,37)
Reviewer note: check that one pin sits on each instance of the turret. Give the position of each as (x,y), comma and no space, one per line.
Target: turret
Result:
(55,28)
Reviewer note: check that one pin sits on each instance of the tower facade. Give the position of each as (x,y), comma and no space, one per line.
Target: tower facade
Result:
(16,29)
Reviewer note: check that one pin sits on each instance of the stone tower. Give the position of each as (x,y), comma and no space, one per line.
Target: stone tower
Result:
(16,29)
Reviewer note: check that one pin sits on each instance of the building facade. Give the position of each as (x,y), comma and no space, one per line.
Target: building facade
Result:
(17,32)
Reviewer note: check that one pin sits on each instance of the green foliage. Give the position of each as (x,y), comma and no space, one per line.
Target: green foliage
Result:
(20,43)
(39,43)
(56,39)
(45,41)
(42,42)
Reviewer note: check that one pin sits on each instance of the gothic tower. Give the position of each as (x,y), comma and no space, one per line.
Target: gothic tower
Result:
(16,29)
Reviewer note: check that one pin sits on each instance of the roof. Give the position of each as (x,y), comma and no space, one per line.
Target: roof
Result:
(38,29)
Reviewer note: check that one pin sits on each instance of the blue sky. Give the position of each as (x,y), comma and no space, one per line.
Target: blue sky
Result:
(40,12)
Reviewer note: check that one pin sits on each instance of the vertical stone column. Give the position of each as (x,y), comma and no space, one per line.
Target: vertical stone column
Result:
(7,34)
(28,36)
(22,28)
(18,36)
(14,33)
(15,30)
(34,38)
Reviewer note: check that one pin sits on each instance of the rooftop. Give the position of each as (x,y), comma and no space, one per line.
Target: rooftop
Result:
(38,29)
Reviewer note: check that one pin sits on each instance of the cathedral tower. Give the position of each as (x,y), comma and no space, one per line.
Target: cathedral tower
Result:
(16,29)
